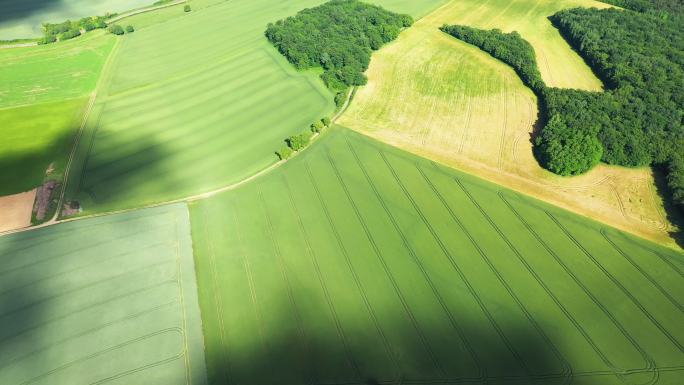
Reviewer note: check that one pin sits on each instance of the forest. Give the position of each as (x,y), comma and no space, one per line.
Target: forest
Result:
(639,119)
(338,37)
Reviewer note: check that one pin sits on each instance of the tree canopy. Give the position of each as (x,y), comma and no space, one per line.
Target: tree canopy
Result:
(337,36)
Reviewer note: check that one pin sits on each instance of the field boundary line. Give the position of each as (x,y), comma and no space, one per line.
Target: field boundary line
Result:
(93,97)
(510,290)
(179,279)
(303,338)
(319,275)
(218,299)
(616,282)
(143,10)
(662,257)
(650,364)
(252,288)
(385,266)
(641,270)
(452,320)
(357,281)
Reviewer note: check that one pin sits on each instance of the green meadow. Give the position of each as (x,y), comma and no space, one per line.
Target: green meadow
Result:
(103,300)
(357,263)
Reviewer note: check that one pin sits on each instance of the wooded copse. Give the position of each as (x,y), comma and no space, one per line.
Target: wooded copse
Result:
(338,37)
(70,29)
(638,121)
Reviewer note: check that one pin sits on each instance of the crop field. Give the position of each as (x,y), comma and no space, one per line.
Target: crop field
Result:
(358,263)
(23,18)
(37,136)
(204,92)
(446,100)
(105,300)
(53,72)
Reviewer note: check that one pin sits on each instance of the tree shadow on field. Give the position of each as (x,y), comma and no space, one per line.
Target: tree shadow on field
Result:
(18,9)
(318,355)
(111,172)
(26,170)
(673,212)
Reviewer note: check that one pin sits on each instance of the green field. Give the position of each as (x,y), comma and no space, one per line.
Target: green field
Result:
(357,263)
(52,72)
(23,18)
(38,136)
(42,101)
(193,105)
(105,300)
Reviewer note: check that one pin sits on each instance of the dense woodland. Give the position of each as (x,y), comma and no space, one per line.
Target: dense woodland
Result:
(337,36)
(638,121)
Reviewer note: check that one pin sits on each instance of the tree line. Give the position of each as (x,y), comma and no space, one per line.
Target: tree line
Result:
(338,37)
(637,121)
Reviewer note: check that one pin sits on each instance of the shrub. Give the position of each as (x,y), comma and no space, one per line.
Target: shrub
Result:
(130,29)
(299,141)
(115,29)
(284,153)
(70,34)
(187,8)
(317,126)
(326,121)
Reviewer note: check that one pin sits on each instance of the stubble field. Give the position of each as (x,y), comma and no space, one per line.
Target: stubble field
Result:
(441,98)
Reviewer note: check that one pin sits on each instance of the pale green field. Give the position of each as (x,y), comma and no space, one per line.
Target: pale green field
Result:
(105,300)
(357,263)
(23,18)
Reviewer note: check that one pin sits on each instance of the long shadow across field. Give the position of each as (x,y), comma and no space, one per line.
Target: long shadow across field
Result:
(672,210)
(24,170)
(295,358)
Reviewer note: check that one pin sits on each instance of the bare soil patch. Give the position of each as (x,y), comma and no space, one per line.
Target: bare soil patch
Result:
(15,210)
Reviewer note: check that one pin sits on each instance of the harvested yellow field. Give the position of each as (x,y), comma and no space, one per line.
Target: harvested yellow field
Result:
(15,210)
(446,100)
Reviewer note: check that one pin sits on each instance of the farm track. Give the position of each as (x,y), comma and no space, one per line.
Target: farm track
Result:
(218,303)
(463,277)
(650,364)
(412,253)
(385,266)
(357,281)
(646,275)
(304,340)
(617,283)
(326,292)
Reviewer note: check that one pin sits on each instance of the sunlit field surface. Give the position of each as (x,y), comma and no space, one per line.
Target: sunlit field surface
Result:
(359,263)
